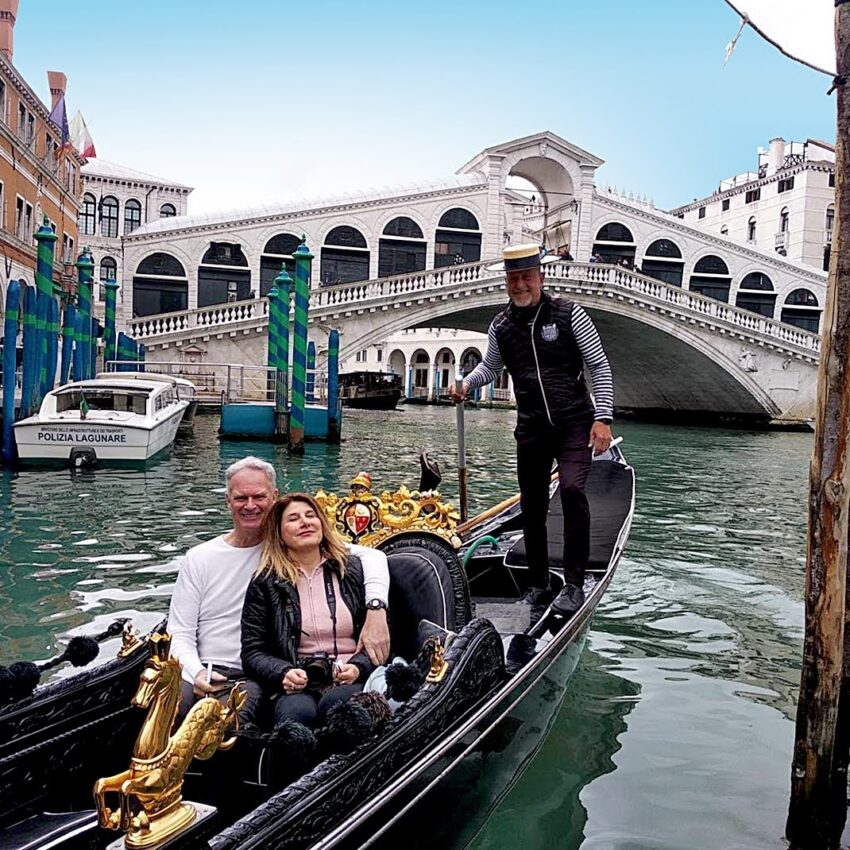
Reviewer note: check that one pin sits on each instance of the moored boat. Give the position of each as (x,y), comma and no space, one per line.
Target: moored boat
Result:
(494,685)
(184,388)
(110,419)
(370,390)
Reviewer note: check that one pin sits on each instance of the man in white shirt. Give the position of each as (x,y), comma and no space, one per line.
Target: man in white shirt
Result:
(206,605)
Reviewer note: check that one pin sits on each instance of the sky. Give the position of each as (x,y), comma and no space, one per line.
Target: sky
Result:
(272,101)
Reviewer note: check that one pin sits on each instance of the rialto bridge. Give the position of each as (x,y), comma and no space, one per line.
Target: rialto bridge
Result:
(674,352)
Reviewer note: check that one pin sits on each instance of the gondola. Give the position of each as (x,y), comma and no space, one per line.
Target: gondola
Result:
(494,685)
(370,390)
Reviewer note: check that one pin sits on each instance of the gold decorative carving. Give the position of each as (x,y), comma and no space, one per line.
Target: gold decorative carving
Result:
(367,519)
(130,640)
(439,665)
(150,802)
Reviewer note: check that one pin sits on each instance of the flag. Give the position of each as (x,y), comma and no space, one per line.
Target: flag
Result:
(59,117)
(81,138)
(84,405)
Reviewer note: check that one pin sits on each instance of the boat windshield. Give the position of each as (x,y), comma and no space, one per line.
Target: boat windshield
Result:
(124,401)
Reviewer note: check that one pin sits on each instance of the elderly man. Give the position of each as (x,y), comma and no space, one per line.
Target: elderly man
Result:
(206,606)
(545,343)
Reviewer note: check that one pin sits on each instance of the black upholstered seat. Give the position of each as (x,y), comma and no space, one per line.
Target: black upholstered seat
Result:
(426,583)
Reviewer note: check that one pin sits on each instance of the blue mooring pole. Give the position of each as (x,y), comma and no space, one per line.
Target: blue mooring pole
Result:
(95,330)
(29,300)
(67,342)
(10,341)
(77,373)
(334,430)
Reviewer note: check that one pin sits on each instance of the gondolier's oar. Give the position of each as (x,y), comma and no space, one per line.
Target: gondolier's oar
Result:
(461,454)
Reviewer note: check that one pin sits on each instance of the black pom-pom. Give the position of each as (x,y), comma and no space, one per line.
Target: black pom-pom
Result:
(81,650)
(377,706)
(403,681)
(113,629)
(26,677)
(347,726)
(298,741)
(7,687)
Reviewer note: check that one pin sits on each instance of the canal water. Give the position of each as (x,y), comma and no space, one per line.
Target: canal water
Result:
(678,727)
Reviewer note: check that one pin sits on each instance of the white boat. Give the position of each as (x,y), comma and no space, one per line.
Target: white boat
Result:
(108,419)
(185,388)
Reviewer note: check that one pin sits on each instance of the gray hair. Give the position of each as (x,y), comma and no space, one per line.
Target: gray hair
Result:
(250,462)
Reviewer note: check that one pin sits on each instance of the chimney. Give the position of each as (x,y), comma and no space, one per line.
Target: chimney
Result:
(8,13)
(57,82)
(775,155)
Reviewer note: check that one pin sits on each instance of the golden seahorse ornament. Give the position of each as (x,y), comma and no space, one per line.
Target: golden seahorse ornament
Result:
(150,801)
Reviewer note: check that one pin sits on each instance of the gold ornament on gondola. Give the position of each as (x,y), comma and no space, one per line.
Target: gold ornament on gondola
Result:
(369,520)
(150,801)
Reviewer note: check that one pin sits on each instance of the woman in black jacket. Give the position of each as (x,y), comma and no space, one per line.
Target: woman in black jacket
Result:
(303,613)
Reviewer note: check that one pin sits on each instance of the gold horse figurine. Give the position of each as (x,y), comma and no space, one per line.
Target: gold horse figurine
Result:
(151,807)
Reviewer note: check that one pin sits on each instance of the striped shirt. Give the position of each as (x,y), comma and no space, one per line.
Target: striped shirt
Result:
(592,353)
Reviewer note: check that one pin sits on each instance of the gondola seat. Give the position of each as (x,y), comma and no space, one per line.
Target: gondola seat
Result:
(50,830)
(427,582)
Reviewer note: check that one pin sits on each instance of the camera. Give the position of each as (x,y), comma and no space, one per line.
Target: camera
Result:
(319,669)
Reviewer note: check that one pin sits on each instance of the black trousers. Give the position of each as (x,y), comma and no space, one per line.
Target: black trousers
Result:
(536,453)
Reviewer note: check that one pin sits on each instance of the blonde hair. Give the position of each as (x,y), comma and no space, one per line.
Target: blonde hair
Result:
(275,557)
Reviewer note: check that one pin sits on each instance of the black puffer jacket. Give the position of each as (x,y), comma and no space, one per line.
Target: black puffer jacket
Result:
(271,624)
(539,349)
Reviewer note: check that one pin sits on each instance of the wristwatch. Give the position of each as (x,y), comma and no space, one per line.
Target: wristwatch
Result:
(376,605)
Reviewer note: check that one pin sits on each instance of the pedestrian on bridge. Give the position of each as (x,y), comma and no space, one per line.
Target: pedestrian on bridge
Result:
(545,343)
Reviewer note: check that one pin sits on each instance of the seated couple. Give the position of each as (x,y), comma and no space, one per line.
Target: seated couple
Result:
(306,593)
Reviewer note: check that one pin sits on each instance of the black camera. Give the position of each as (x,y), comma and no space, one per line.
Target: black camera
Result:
(319,669)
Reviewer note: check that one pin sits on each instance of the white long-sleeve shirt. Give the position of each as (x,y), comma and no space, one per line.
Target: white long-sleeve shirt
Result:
(205,615)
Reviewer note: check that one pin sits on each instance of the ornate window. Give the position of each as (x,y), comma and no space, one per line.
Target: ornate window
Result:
(132,215)
(615,244)
(458,238)
(167,211)
(159,286)
(223,275)
(711,278)
(404,251)
(88,215)
(755,293)
(802,309)
(108,271)
(663,261)
(345,256)
(109,217)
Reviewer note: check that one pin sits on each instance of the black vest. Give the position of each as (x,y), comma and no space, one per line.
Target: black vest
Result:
(540,353)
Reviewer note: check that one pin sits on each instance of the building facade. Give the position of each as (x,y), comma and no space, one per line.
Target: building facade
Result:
(115,202)
(39,176)
(787,205)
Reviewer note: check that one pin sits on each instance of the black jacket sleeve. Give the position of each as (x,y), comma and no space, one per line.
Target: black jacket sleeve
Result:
(258,658)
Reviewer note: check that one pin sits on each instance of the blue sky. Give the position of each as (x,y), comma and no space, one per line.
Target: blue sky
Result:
(271,100)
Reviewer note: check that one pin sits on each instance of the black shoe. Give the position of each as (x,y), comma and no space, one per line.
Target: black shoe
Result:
(537,599)
(568,601)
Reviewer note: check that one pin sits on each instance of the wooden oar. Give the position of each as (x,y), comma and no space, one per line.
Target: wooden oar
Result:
(461,454)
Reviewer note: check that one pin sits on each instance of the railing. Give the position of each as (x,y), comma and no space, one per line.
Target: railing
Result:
(597,279)
(780,240)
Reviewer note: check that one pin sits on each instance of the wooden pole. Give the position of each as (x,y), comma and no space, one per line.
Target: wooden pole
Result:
(818,807)
(461,455)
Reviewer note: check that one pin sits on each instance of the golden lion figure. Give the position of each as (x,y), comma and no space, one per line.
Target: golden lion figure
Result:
(150,792)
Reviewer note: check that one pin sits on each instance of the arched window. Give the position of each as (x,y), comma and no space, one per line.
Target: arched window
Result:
(783,220)
(88,215)
(404,251)
(108,271)
(469,360)
(167,211)
(458,238)
(751,229)
(277,252)
(724,229)
(755,293)
(421,373)
(223,275)
(614,243)
(345,256)
(132,215)
(829,222)
(663,261)
(109,216)
(802,309)
(711,278)
(159,286)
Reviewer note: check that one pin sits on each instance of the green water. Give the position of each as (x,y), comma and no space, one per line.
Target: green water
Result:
(677,730)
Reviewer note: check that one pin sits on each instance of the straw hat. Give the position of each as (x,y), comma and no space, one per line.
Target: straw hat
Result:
(526,256)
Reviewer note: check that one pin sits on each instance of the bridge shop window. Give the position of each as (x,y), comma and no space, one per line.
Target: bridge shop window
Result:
(278,252)
(167,211)
(614,242)
(663,261)
(160,285)
(132,215)
(802,309)
(88,215)
(458,238)
(711,278)
(345,256)
(223,275)
(755,293)
(401,249)
(109,216)
(108,271)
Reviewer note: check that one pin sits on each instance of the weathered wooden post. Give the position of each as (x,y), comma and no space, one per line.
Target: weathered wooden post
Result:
(333,386)
(10,343)
(303,259)
(818,807)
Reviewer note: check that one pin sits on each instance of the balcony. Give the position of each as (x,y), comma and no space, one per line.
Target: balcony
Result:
(780,241)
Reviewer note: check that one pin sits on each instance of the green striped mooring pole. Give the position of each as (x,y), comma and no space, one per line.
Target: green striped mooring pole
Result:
(303,259)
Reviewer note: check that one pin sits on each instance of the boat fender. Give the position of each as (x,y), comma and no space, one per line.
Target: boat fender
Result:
(83,458)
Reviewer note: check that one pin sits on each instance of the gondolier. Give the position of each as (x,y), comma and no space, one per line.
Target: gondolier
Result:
(545,343)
